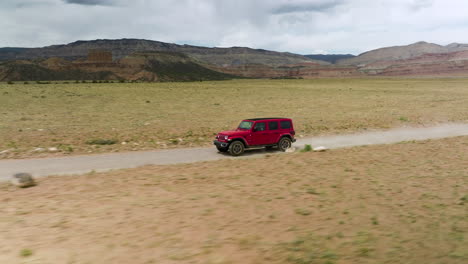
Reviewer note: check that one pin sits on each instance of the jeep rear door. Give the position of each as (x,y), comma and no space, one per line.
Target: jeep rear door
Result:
(273,132)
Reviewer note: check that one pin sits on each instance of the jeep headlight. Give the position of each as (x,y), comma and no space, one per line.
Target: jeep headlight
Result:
(226,137)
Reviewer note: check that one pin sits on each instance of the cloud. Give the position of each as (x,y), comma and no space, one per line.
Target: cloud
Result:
(417,5)
(308,6)
(299,26)
(26,3)
(91,2)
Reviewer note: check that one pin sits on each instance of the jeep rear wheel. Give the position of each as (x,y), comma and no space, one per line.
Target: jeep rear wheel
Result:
(284,144)
(236,148)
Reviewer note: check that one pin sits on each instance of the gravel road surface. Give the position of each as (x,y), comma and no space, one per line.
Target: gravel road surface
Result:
(103,162)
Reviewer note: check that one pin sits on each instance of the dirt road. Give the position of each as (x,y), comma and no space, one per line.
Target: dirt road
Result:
(103,162)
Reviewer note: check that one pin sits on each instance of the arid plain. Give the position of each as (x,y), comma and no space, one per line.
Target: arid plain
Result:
(399,203)
(39,120)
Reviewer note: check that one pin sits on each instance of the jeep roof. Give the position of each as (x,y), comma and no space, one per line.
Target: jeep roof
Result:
(265,118)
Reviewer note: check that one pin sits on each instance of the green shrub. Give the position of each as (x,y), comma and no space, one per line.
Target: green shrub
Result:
(102,142)
(10,82)
(26,252)
(66,148)
(307,148)
(312,191)
(301,211)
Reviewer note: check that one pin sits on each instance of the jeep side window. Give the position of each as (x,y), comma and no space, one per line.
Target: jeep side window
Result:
(273,125)
(260,126)
(285,124)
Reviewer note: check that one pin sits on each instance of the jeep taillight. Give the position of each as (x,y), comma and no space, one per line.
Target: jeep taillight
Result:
(293,132)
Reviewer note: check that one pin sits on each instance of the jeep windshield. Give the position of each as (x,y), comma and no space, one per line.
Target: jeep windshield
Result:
(245,125)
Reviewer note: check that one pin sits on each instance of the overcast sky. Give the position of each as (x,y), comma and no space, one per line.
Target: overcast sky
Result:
(299,26)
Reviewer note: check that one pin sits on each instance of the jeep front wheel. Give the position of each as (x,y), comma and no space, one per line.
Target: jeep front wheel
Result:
(284,144)
(236,148)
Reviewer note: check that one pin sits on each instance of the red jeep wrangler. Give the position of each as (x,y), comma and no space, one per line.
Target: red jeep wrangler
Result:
(257,133)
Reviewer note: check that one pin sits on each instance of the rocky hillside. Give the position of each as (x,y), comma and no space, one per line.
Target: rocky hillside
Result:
(430,64)
(147,66)
(401,53)
(293,71)
(331,58)
(121,48)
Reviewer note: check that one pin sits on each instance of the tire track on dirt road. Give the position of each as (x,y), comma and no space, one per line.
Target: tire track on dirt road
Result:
(102,162)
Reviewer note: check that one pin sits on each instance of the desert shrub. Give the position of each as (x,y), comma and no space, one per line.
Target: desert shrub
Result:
(66,148)
(102,141)
(307,148)
(26,252)
(301,211)
(10,82)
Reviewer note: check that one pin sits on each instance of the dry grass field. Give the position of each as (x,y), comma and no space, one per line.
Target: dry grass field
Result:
(402,203)
(138,116)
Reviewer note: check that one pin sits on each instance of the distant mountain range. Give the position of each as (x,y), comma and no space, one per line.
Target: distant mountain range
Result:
(135,59)
(124,47)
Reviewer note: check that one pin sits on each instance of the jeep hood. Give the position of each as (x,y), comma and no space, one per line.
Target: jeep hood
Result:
(234,132)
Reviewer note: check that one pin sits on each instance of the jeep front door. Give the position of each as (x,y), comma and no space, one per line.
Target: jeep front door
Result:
(259,134)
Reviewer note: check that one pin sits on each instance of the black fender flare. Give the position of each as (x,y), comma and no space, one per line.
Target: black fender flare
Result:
(241,140)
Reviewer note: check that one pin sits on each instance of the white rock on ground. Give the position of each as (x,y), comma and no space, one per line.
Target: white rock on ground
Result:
(319,149)
(38,149)
(23,180)
(290,150)
(52,149)
(5,151)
